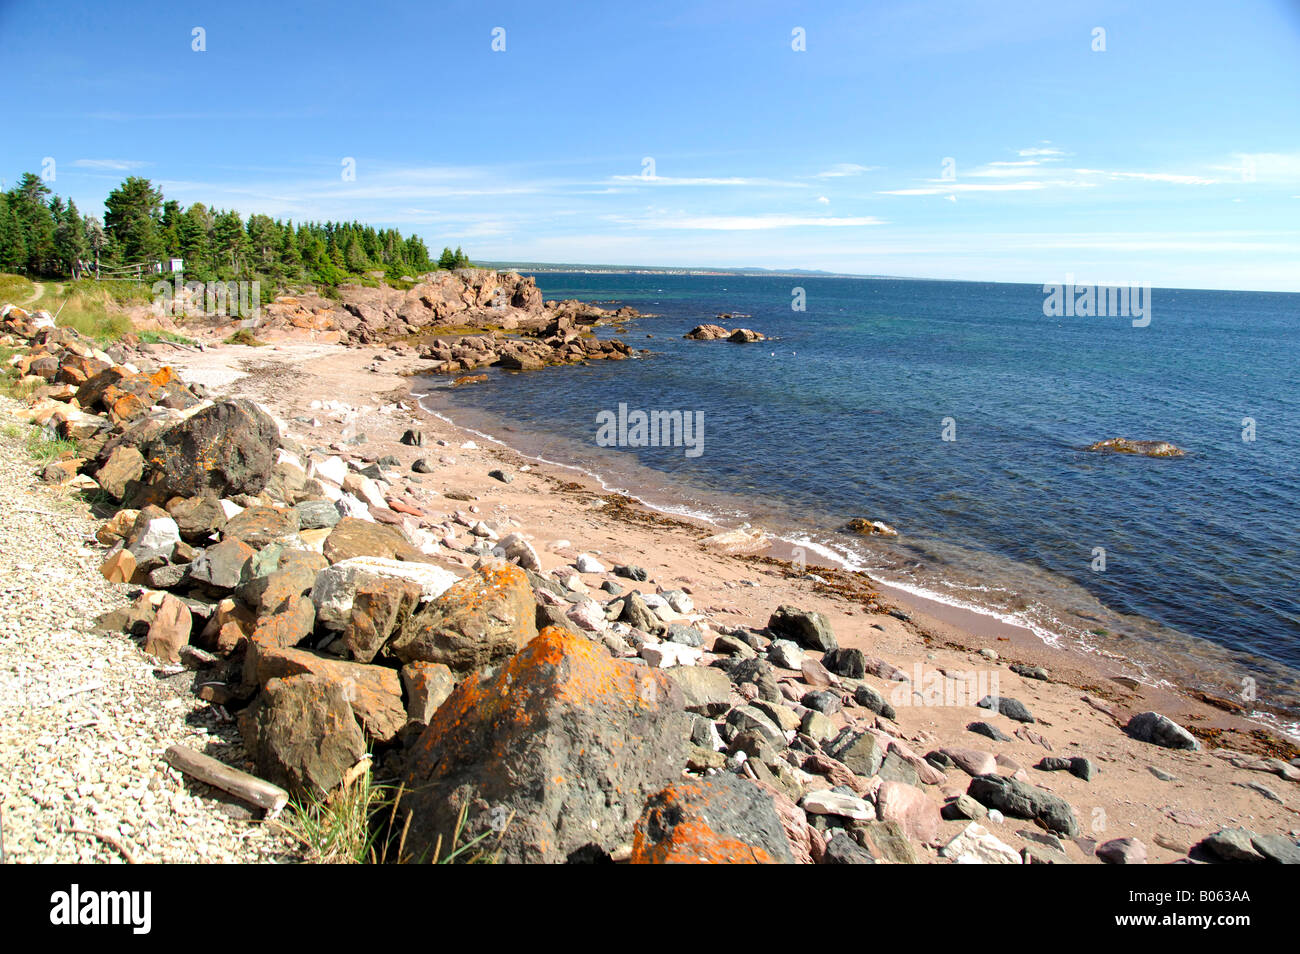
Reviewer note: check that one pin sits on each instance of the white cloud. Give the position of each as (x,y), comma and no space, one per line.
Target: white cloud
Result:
(842,169)
(968,187)
(116,165)
(821,199)
(1175,178)
(749,223)
(707,181)
(1042,151)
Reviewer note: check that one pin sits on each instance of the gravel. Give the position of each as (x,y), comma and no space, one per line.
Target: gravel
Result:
(85,717)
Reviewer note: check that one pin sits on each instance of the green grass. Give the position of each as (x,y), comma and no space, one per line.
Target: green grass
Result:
(43,450)
(153,337)
(244,337)
(14,289)
(12,431)
(358,824)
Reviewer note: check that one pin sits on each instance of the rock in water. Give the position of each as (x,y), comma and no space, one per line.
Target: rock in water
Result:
(1122,445)
(557,752)
(223,450)
(1161,730)
(480,620)
(717,820)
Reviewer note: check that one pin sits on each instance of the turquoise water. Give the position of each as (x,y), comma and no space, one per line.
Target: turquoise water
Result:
(843,415)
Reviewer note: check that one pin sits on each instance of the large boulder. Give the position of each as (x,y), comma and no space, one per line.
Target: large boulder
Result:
(482,619)
(808,628)
(302,735)
(717,820)
(222,450)
(553,756)
(1018,800)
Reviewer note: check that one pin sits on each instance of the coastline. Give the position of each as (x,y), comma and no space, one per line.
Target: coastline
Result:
(1193,668)
(1171,799)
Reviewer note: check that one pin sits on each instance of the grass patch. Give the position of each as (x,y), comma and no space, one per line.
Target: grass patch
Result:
(358,824)
(14,289)
(244,337)
(12,431)
(154,337)
(45,450)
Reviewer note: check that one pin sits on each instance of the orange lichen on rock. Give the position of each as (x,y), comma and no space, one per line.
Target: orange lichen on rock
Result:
(718,820)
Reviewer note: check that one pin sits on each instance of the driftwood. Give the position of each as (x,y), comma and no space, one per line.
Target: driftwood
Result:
(250,788)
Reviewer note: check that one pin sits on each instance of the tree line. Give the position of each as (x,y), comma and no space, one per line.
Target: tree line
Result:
(44,236)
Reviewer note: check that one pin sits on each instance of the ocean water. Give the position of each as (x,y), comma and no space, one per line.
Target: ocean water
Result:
(843,414)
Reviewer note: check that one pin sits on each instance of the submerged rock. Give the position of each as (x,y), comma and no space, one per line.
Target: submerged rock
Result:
(1122,445)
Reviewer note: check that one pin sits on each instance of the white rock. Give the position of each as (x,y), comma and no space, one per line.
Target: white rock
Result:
(974,845)
(333,469)
(996,816)
(160,535)
(349,506)
(826,802)
(680,601)
(329,491)
(469,445)
(516,549)
(588,564)
(336,586)
(665,655)
(231,509)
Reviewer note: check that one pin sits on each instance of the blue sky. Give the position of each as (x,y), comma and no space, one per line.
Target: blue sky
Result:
(1171,157)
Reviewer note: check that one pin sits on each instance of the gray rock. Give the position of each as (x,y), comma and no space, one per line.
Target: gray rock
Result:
(1161,730)
(841,849)
(785,653)
(683,634)
(1277,848)
(825,701)
(1019,800)
(744,718)
(1233,845)
(987,729)
(316,514)
(634,573)
(868,698)
(859,751)
(705,691)
(1123,851)
(808,628)
(1011,708)
(846,662)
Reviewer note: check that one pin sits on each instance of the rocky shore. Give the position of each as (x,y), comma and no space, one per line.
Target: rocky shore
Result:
(350,585)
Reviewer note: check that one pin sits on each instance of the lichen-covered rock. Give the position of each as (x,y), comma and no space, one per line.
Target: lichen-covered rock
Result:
(482,619)
(717,820)
(302,734)
(559,750)
(222,450)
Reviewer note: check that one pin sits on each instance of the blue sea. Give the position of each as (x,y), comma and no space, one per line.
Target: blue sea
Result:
(844,412)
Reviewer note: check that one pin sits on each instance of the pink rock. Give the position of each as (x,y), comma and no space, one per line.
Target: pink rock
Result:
(1123,851)
(169,631)
(926,772)
(972,761)
(798,832)
(908,805)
